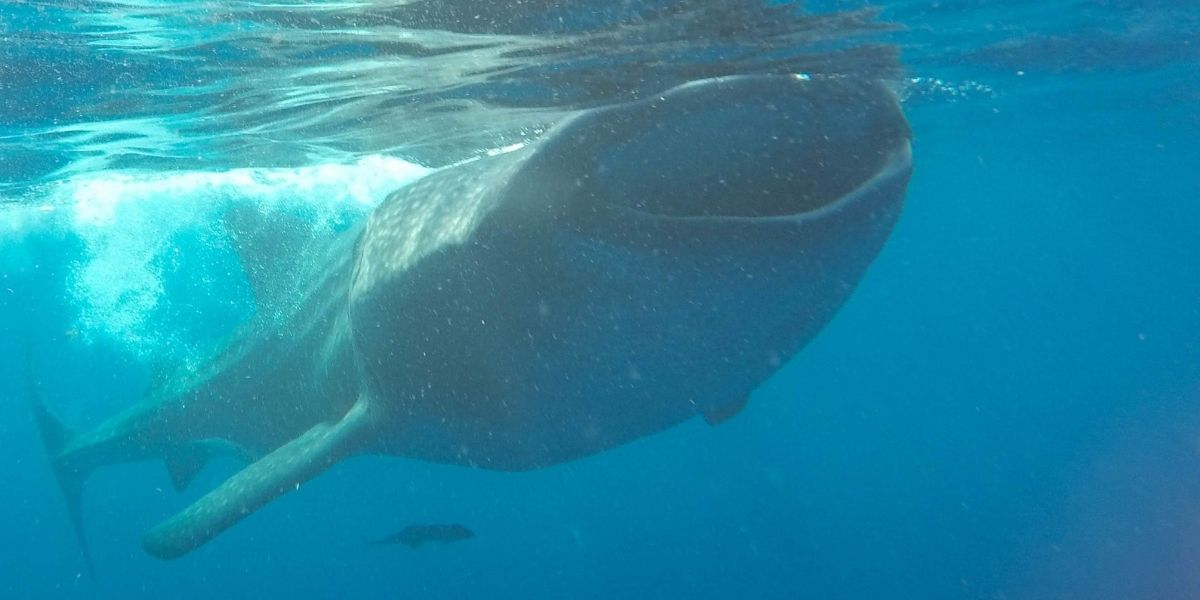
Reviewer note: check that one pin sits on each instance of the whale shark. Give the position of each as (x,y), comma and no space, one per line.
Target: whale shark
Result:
(639,265)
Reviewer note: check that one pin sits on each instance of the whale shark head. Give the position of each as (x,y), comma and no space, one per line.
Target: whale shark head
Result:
(737,147)
(642,264)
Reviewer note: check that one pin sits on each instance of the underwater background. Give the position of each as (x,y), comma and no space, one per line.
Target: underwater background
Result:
(1007,407)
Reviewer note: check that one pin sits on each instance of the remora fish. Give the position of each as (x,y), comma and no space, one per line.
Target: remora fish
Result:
(414,536)
(638,266)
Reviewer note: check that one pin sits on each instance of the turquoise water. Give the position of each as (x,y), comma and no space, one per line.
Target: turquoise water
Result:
(1007,407)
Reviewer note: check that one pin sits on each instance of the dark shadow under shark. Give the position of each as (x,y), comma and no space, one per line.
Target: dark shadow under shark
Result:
(639,265)
(415,536)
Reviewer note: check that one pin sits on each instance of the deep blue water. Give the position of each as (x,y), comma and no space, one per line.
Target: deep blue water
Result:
(1007,407)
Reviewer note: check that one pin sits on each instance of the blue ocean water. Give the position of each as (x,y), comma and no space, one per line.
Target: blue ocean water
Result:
(1007,407)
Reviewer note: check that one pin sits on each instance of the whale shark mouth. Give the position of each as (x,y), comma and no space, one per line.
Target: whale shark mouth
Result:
(747,147)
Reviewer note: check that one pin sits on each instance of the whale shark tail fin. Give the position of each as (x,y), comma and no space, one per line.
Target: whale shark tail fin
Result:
(55,437)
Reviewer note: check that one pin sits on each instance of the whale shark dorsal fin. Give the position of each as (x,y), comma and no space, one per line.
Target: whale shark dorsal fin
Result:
(273,475)
(275,248)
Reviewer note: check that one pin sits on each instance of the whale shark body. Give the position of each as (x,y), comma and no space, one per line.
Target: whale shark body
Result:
(639,265)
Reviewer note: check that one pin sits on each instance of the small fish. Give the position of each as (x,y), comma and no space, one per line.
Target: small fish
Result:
(414,536)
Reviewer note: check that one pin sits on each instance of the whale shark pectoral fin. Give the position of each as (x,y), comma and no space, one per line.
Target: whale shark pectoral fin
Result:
(282,470)
(724,412)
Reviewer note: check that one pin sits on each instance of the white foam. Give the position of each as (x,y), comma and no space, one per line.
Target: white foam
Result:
(130,224)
